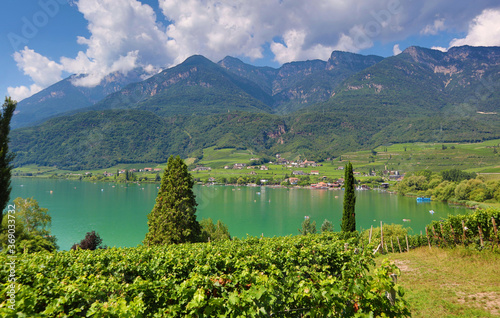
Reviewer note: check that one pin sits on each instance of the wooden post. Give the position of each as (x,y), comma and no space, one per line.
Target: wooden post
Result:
(399,244)
(392,245)
(495,229)
(453,234)
(382,235)
(370,237)
(427,234)
(436,237)
(391,294)
(463,228)
(407,245)
(442,232)
(480,234)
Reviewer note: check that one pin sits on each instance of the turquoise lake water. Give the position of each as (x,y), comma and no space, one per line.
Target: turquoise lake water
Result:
(118,212)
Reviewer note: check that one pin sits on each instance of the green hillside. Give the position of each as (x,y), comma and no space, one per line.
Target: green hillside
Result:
(196,86)
(101,139)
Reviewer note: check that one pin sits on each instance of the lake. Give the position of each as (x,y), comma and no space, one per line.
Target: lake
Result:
(118,212)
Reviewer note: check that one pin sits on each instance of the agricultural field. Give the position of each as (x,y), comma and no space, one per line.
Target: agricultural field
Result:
(483,158)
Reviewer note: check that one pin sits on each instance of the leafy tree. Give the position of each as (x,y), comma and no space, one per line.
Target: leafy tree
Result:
(412,183)
(6,157)
(349,215)
(32,222)
(308,227)
(92,241)
(457,175)
(327,226)
(173,218)
(464,188)
(426,173)
(214,232)
(445,191)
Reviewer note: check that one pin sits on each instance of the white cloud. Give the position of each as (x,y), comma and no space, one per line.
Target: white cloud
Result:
(484,30)
(396,50)
(439,48)
(293,49)
(21,92)
(41,70)
(435,28)
(124,35)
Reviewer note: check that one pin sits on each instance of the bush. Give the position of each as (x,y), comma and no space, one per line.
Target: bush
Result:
(92,241)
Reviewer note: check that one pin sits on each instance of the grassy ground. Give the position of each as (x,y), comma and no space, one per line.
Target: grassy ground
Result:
(450,282)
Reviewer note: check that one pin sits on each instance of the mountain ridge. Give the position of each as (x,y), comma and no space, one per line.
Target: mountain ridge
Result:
(319,110)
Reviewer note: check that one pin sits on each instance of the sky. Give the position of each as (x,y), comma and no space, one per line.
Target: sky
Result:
(45,41)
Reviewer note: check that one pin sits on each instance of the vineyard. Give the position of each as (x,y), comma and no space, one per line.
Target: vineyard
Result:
(315,275)
(478,230)
(302,276)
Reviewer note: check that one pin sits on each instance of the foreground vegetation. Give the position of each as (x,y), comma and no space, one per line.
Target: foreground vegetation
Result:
(281,277)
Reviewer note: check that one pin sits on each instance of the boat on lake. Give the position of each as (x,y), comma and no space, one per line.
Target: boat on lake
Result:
(423,199)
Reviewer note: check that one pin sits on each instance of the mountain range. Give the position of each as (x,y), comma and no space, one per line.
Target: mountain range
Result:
(314,108)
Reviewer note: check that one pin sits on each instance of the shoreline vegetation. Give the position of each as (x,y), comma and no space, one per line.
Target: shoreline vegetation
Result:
(474,190)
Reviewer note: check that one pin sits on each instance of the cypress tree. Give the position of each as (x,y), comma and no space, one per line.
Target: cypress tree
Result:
(349,215)
(173,218)
(5,156)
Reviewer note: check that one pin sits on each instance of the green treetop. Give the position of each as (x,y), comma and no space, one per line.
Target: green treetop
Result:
(5,156)
(349,215)
(32,228)
(173,218)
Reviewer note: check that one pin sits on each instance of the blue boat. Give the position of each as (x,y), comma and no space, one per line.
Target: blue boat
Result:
(423,199)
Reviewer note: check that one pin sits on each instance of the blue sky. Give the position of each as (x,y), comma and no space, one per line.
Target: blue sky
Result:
(44,41)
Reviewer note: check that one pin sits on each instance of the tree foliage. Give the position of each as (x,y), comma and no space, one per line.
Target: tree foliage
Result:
(349,215)
(173,218)
(31,227)
(214,232)
(308,227)
(456,175)
(92,241)
(6,157)
(327,226)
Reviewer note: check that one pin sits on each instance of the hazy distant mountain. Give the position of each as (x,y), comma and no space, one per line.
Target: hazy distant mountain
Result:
(63,96)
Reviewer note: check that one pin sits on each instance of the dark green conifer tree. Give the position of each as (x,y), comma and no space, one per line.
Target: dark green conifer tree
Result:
(349,215)
(173,218)
(5,156)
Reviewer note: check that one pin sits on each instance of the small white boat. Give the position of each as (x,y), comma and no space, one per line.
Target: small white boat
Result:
(431,211)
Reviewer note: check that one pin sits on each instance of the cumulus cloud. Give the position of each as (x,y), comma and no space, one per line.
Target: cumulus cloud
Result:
(124,35)
(396,50)
(42,71)
(21,92)
(435,28)
(484,30)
